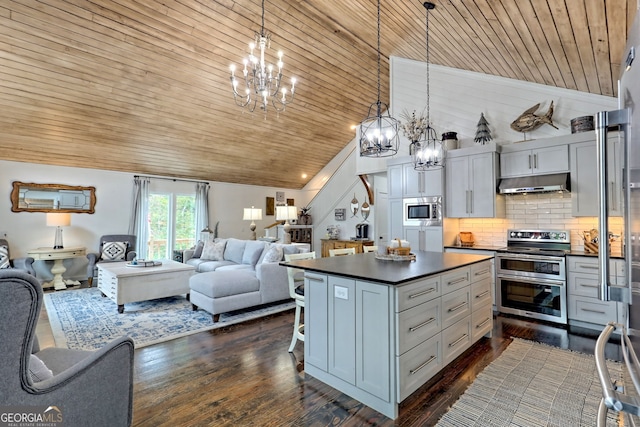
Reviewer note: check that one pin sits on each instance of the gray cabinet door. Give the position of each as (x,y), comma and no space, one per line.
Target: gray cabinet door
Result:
(482,184)
(457,184)
(374,346)
(539,161)
(316,320)
(342,328)
(394,177)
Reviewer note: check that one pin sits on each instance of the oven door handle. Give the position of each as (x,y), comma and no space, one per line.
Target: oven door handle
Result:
(532,280)
(519,257)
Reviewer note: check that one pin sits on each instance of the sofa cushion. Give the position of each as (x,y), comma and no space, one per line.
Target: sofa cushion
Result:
(114,251)
(4,257)
(217,284)
(232,266)
(38,370)
(197,252)
(213,251)
(252,251)
(234,250)
(207,265)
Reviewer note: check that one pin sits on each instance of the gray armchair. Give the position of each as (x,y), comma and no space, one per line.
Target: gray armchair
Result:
(84,388)
(94,258)
(25,264)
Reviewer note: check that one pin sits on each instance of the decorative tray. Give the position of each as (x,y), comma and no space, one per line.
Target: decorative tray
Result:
(143,263)
(392,257)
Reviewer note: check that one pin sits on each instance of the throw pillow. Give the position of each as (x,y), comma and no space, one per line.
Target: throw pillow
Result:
(38,370)
(114,251)
(234,250)
(252,251)
(4,257)
(213,251)
(197,253)
(274,254)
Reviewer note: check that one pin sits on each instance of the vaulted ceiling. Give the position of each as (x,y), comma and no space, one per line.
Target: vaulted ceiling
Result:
(143,86)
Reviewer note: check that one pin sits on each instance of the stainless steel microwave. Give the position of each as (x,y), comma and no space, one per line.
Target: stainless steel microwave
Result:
(422,211)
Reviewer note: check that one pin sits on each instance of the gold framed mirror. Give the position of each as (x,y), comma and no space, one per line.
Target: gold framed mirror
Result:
(31,197)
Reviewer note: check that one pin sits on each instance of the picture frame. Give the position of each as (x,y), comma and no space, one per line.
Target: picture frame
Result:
(340,214)
(280,198)
(290,202)
(270,208)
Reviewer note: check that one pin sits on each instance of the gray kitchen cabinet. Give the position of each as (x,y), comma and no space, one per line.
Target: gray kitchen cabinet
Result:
(394,181)
(584,178)
(424,238)
(342,328)
(471,187)
(396,229)
(519,161)
(486,271)
(421,183)
(583,306)
(316,320)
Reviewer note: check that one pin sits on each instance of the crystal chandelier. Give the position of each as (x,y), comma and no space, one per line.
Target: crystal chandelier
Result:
(428,153)
(261,82)
(379,134)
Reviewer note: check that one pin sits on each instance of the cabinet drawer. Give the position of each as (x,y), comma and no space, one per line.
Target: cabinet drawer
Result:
(481,322)
(583,284)
(482,270)
(592,310)
(416,366)
(456,279)
(417,325)
(416,293)
(481,293)
(589,265)
(455,306)
(456,339)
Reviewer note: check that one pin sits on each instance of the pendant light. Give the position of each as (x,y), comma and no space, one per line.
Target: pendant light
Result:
(429,152)
(379,133)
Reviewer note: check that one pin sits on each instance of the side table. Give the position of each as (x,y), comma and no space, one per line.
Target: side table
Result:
(58,256)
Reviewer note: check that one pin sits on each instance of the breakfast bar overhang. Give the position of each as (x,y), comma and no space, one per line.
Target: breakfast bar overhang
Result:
(379,329)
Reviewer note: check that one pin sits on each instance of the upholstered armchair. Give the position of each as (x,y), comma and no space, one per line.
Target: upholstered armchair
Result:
(77,388)
(113,248)
(25,264)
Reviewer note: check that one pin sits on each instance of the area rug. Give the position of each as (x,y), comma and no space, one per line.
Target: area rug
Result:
(532,384)
(83,319)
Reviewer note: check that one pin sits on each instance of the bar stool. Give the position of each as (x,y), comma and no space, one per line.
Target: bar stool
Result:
(296,291)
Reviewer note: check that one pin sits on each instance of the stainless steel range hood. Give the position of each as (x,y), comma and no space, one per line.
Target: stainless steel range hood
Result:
(535,184)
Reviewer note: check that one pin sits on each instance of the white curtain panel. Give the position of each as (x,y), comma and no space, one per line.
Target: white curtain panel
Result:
(138,223)
(202,207)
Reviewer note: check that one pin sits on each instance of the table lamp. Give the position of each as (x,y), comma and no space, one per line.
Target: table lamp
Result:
(58,220)
(286,213)
(251,214)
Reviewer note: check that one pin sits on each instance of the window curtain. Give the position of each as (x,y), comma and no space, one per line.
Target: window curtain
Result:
(139,221)
(202,207)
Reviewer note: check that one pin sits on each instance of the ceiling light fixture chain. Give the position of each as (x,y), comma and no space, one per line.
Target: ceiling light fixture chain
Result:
(429,152)
(379,134)
(262,86)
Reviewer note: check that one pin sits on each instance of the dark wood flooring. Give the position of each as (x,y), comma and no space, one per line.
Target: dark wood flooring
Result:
(243,376)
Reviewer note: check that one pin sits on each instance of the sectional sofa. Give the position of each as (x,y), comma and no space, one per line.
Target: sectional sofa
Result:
(233,274)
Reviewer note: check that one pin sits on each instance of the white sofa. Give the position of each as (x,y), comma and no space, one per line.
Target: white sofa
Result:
(246,275)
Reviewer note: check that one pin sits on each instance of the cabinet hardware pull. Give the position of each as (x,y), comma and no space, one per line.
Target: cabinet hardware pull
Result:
(481,272)
(535,161)
(482,294)
(480,325)
(453,282)
(457,307)
(470,201)
(530,161)
(413,371)
(593,311)
(419,294)
(313,279)
(589,286)
(453,344)
(415,328)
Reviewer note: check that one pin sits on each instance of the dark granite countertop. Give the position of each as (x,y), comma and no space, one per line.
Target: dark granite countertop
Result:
(367,267)
(476,247)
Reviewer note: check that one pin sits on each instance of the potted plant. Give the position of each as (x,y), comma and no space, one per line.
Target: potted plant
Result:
(304,218)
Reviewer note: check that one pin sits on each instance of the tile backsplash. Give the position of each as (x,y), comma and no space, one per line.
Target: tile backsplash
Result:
(537,211)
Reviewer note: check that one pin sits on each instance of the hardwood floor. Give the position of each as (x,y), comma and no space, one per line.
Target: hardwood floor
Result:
(243,375)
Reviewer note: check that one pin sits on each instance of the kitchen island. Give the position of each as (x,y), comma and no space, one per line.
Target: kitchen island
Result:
(377,330)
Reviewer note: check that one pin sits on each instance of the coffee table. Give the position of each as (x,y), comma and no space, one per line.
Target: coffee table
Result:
(124,284)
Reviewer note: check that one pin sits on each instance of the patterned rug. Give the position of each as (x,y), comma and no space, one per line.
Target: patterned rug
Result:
(84,319)
(533,384)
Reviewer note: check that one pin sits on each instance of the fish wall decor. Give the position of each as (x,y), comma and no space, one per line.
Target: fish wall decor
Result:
(528,121)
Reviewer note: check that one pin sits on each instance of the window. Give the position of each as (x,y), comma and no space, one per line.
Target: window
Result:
(172,223)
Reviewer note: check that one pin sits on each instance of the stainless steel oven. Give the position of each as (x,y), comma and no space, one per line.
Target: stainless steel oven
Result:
(422,211)
(531,275)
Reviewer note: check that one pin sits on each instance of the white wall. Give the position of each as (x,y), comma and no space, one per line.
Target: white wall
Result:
(26,230)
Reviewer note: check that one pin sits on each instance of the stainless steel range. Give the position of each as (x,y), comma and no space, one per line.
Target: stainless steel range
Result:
(531,274)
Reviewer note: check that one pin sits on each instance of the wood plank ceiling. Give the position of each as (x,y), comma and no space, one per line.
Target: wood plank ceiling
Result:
(143,86)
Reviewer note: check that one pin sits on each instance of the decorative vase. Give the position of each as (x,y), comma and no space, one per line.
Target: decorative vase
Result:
(450,140)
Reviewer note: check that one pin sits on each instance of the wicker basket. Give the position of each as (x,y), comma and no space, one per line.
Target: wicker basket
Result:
(466,239)
(400,250)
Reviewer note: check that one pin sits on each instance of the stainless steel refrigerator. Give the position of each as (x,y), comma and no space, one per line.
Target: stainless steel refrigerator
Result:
(626,122)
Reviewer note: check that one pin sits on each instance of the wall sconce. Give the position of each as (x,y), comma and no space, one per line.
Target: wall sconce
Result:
(286,213)
(58,220)
(252,214)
